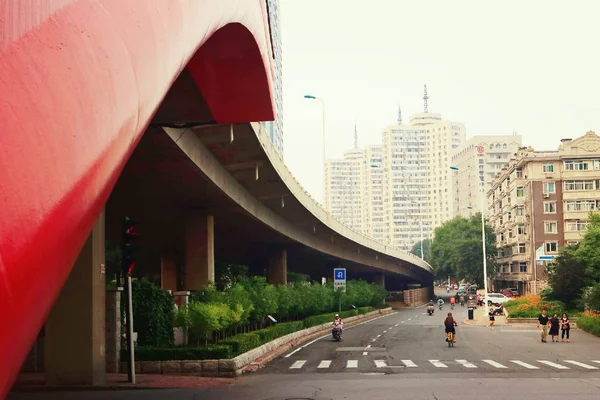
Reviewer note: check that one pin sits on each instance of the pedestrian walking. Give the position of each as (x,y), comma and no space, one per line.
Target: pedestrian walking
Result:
(492,319)
(543,322)
(554,326)
(565,325)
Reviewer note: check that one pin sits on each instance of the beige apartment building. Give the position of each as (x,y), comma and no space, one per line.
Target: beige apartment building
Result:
(417,179)
(479,159)
(539,203)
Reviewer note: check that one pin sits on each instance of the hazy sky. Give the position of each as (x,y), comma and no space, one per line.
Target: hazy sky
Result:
(526,65)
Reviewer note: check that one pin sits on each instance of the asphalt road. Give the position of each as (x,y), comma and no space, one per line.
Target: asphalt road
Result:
(404,355)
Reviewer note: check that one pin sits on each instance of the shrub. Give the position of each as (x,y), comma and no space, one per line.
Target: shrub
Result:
(153,314)
(278,330)
(325,318)
(212,352)
(242,343)
(364,310)
(589,322)
(530,306)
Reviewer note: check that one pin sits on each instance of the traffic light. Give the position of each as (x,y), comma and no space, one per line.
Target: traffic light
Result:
(129,234)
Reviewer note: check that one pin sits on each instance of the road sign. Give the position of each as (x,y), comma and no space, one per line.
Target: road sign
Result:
(546,257)
(339,279)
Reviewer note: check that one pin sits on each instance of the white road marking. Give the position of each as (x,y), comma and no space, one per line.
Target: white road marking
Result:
(524,364)
(365,353)
(378,336)
(369,346)
(466,364)
(596,361)
(494,364)
(328,334)
(409,319)
(352,364)
(550,363)
(396,325)
(409,363)
(373,340)
(298,364)
(579,364)
(324,364)
(401,322)
(438,364)
(380,364)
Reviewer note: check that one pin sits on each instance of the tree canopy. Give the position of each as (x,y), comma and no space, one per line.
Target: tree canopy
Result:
(456,249)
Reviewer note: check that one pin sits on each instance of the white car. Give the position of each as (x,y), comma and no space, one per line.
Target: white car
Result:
(496,298)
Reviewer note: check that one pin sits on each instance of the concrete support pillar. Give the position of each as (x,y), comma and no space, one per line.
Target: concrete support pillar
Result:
(75,329)
(199,252)
(277,267)
(379,280)
(168,273)
(113,329)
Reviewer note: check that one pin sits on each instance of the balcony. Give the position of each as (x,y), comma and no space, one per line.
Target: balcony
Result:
(519,219)
(574,236)
(520,257)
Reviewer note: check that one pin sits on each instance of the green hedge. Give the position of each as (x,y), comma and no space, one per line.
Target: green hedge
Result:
(238,344)
(325,318)
(213,352)
(589,323)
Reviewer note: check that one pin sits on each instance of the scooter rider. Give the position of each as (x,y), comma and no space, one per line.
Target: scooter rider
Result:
(440,302)
(449,324)
(338,321)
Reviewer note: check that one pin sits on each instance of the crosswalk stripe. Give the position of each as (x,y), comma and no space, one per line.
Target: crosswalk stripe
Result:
(409,363)
(494,364)
(580,364)
(555,365)
(352,364)
(298,364)
(466,364)
(438,364)
(524,364)
(324,364)
(380,364)
(596,361)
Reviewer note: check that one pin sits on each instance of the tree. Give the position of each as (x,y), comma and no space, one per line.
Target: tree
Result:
(567,276)
(456,249)
(416,249)
(589,250)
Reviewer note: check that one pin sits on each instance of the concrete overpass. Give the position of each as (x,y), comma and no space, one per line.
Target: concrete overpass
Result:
(83,79)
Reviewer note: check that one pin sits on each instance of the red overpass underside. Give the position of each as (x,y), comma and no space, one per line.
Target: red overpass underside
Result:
(79,82)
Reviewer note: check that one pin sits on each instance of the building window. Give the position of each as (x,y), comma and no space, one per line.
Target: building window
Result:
(549,187)
(520,191)
(549,207)
(551,247)
(577,226)
(581,205)
(579,185)
(519,173)
(519,211)
(522,267)
(550,227)
(548,168)
(577,166)
(520,229)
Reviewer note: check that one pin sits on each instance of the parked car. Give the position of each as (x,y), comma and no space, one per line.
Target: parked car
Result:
(508,293)
(496,298)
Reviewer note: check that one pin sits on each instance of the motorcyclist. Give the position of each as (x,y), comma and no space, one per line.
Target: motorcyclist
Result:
(462,300)
(440,302)
(430,307)
(449,324)
(452,302)
(337,321)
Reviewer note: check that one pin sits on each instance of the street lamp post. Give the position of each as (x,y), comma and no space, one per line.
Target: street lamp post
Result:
(485,280)
(420,227)
(311,97)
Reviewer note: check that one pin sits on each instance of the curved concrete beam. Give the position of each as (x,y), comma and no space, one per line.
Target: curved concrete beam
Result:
(202,157)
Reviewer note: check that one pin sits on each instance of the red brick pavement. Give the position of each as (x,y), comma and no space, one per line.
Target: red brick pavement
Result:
(37,382)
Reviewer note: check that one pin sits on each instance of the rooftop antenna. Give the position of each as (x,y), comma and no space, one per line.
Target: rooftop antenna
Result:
(425,97)
(355,137)
(399,116)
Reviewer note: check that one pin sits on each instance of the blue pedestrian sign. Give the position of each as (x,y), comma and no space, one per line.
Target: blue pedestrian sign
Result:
(339,274)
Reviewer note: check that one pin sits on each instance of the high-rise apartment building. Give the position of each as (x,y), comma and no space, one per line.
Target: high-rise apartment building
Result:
(417,177)
(345,189)
(479,159)
(539,203)
(275,128)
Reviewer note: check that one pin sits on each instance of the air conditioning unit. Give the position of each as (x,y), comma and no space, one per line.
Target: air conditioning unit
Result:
(546,195)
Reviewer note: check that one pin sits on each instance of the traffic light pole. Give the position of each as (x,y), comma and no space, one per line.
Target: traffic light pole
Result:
(129,332)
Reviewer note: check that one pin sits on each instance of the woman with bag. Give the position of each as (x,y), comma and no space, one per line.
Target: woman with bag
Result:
(565,324)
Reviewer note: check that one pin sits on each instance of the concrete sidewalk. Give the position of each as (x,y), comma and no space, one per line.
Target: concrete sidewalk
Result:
(480,318)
